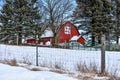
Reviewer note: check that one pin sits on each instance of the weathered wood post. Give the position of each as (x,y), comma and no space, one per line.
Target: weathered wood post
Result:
(17,41)
(103,47)
(37,50)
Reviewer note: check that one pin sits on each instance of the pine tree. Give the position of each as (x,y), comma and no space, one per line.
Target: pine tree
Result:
(21,17)
(98,11)
(116,15)
(100,17)
(6,19)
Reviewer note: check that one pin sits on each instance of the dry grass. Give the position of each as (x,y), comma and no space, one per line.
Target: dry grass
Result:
(43,65)
(88,71)
(58,68)
(87,78)
(35,69)
(114,77)
(12,62)
(59,71)
(92,68)
(26,61)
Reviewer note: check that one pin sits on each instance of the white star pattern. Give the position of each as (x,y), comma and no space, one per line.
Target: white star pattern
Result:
(67,30)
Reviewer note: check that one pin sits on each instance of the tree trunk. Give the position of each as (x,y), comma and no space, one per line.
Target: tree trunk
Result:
(19,41)
(19,38)
(99,39)
(93,40)
(117,39)
(55,40)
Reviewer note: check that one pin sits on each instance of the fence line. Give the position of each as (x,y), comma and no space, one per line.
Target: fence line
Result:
(60,58)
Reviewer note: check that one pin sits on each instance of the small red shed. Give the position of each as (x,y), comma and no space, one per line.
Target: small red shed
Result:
(46,41)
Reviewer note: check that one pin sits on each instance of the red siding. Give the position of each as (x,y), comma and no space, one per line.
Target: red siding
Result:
(43,40)
(81,40)
(31,41)
(66,32)
(62,37)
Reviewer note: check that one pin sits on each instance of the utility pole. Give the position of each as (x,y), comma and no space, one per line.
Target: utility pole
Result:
(103,47)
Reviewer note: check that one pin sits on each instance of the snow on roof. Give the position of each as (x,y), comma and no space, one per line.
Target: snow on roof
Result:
(47,33)
(74,38)
(81,31)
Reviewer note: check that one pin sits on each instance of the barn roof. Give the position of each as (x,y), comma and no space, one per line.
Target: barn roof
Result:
(75,38)
(79,39)
(47,33)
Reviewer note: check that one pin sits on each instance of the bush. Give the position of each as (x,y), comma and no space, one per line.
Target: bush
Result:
(12,62)
(92,68)
(35,69)
(113,47)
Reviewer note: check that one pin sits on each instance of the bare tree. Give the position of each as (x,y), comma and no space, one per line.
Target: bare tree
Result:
(56,12)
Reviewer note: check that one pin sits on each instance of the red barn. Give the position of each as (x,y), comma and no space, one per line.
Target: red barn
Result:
(66,32)
(64,35)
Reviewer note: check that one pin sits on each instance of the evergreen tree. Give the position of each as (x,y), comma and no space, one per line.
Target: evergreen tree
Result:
(98,11)
(116,15)
(20,18)
(6,19)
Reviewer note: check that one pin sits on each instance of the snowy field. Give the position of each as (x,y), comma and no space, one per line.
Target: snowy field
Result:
(66,58)
(18,73)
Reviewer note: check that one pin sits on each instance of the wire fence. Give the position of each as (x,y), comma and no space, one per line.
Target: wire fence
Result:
(66,59)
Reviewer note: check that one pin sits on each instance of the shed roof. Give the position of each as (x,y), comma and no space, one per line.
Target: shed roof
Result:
(47,33)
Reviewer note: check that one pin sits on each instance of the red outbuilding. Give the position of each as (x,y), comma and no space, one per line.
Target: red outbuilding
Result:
(47,41)
(67,31)
(64,35)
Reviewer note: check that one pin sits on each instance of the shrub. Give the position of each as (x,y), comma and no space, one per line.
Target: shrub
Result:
(35,69)
(83,67)
(12,62)
(113,47)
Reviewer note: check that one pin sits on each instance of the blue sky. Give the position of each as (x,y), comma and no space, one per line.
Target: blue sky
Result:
(1,3)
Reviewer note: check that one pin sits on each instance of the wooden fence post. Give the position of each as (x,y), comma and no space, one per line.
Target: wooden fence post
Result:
(103,47)
(37,50)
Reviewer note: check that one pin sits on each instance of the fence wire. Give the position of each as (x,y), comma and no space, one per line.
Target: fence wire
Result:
(67,59)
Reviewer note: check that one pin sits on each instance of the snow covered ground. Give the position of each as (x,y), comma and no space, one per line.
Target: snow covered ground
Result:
(67,59)
(18,73)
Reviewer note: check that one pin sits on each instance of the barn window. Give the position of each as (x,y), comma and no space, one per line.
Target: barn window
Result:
(67,30)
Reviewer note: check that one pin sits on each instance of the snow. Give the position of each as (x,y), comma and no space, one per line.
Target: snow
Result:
(48,43)
(47,33)
(1,24)
(74,38)
(18,73)
(67,59)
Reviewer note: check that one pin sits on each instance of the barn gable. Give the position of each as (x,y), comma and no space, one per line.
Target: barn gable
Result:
(66,32)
